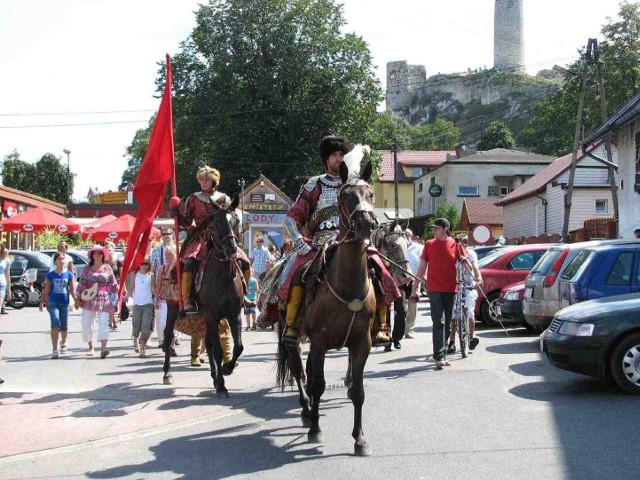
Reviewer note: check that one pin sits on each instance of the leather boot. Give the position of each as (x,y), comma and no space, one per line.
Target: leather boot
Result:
(189,306)
(195,351)
(381,337)
(226,340)
(293,306)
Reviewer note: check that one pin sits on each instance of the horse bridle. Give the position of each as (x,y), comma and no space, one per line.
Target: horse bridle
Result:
(219,250)
(347,219)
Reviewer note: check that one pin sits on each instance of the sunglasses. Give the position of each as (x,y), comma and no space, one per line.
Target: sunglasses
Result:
(166,234)
(98,253)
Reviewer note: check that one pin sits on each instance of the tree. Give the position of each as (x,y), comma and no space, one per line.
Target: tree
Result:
(445,210)
(385,127)
(496,135)
(52,180)
(439,135)
(257,82)
(47,177)
(17,173)
(552,129)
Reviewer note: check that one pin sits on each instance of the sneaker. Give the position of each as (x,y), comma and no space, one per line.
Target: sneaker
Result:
(446,362)
(4,311)
(439,364)
(451,348)
(54,354)
(409,336)
(397,345)
(473,343)
(172,352)
(63,349)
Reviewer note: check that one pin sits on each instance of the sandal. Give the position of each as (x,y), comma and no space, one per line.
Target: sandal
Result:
(63,349)
(104,353)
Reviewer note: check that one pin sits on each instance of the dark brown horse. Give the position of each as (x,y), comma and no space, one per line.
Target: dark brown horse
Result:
(221,295)
(341,312)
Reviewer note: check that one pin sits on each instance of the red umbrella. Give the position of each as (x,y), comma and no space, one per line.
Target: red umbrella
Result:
(37,220)
(118,229)
(98,222)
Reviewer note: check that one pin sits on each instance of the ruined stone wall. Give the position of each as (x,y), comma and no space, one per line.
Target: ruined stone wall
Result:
(508,36)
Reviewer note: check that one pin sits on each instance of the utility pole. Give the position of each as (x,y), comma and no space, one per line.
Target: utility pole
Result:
(395,177)
(68,152)
(576,145)
(607,139)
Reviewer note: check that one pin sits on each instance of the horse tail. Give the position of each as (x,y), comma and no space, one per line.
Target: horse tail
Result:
(282,357)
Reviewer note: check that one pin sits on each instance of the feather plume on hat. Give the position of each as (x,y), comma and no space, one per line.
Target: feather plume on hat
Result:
(353,159)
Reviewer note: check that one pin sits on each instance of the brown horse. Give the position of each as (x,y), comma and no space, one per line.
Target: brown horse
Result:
(221,295)
(341,312)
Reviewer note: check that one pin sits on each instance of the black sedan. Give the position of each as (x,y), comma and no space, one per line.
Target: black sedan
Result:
(599,338)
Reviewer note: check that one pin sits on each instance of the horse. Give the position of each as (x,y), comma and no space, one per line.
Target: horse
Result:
(223,296)
(341,312)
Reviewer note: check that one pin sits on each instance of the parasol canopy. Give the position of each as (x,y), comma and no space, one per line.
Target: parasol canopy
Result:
(37,220)
(89,227)
(118,229)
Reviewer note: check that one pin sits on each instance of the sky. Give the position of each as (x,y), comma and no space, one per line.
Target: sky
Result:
(94,62)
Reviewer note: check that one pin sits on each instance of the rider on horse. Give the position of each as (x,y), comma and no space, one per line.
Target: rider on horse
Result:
(311,222)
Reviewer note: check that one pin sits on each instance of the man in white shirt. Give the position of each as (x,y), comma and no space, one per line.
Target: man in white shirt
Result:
(414,250)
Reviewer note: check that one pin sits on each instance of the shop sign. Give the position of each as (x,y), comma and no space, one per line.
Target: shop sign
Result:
(257,198)
(261,206)
(264,218)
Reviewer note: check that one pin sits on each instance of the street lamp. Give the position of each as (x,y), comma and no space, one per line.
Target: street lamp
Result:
(68,152)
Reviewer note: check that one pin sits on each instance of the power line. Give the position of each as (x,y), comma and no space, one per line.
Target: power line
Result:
(61,114)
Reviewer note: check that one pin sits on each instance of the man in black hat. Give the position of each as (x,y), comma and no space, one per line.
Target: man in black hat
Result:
(440,255)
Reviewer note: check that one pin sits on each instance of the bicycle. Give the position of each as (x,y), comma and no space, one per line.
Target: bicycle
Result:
(461,312)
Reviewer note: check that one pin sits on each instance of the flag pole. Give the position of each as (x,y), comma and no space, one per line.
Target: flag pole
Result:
(174,193)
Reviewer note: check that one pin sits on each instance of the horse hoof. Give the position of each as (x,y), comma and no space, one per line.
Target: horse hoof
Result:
(222,392)
(227,368)
(306,421)
(361,450)
(317,438)
(167,380)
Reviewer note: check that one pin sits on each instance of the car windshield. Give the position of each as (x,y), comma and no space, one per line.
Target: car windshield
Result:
(578,265)
(546,261)
(490,258)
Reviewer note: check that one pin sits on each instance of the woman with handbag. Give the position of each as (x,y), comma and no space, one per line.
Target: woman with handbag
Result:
(96,286)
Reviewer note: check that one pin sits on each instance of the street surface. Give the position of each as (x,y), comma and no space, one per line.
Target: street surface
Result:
(503,413)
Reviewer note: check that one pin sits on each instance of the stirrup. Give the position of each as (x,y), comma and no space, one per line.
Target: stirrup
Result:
(381,340)
(192,309)
(290,337)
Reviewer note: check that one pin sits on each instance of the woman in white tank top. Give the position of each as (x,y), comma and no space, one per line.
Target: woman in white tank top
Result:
(142,320)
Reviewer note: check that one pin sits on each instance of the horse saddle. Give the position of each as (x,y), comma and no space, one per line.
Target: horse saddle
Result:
(314,270)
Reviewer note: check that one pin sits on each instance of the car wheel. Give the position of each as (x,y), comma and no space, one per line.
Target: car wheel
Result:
(488,316)
(625,364)
(35,296)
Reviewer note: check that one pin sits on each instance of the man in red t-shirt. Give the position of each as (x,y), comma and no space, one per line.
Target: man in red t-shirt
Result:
(440,256)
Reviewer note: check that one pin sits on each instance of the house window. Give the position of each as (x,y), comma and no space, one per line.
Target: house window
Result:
(493,191)
(469,191)
(602,206)
(416,172)
(420,187)
(433,180)
(419,206)
(504,191)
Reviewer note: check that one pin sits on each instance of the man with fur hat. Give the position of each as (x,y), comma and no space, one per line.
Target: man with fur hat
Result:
(313,220)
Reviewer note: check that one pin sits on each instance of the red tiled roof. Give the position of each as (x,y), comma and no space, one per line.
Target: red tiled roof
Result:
(538,182)
(413,158)
(482,211)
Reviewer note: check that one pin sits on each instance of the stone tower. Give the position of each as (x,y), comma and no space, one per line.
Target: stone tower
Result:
(508,36)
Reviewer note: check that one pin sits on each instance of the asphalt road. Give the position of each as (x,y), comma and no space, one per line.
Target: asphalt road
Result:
(502,413)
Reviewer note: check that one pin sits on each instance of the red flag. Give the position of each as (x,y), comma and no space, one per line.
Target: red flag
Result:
(158,167)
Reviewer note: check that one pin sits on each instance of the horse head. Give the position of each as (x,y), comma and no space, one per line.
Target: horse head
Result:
(226,228)
(355,203)
(389,239)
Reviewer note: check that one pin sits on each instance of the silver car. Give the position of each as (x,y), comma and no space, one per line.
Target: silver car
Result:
(80,259)
(542,290)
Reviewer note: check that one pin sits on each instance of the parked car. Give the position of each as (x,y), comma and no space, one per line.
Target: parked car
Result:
(542,291)
(21,260)
(485,250)
(599,338)
(79,257)
(602,271)
(501,268)
(509,304)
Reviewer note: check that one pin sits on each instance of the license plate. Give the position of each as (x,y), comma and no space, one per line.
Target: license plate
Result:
(528,292)
(498,311)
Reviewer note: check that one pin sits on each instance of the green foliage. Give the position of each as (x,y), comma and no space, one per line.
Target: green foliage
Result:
(552,130)
(47,177)
(445,210)
(255,85)
(50,238)
(438,135)
(496,135)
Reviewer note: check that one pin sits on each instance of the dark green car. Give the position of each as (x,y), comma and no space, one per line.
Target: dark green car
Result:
(599,338)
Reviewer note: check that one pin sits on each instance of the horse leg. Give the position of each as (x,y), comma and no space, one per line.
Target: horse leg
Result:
(359,357)
(167,379)
(215,358)
(295,365)
(348,379)
(315,387)
(236,333)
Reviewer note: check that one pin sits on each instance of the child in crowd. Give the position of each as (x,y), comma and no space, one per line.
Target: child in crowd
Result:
(250,300)
(59,286)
